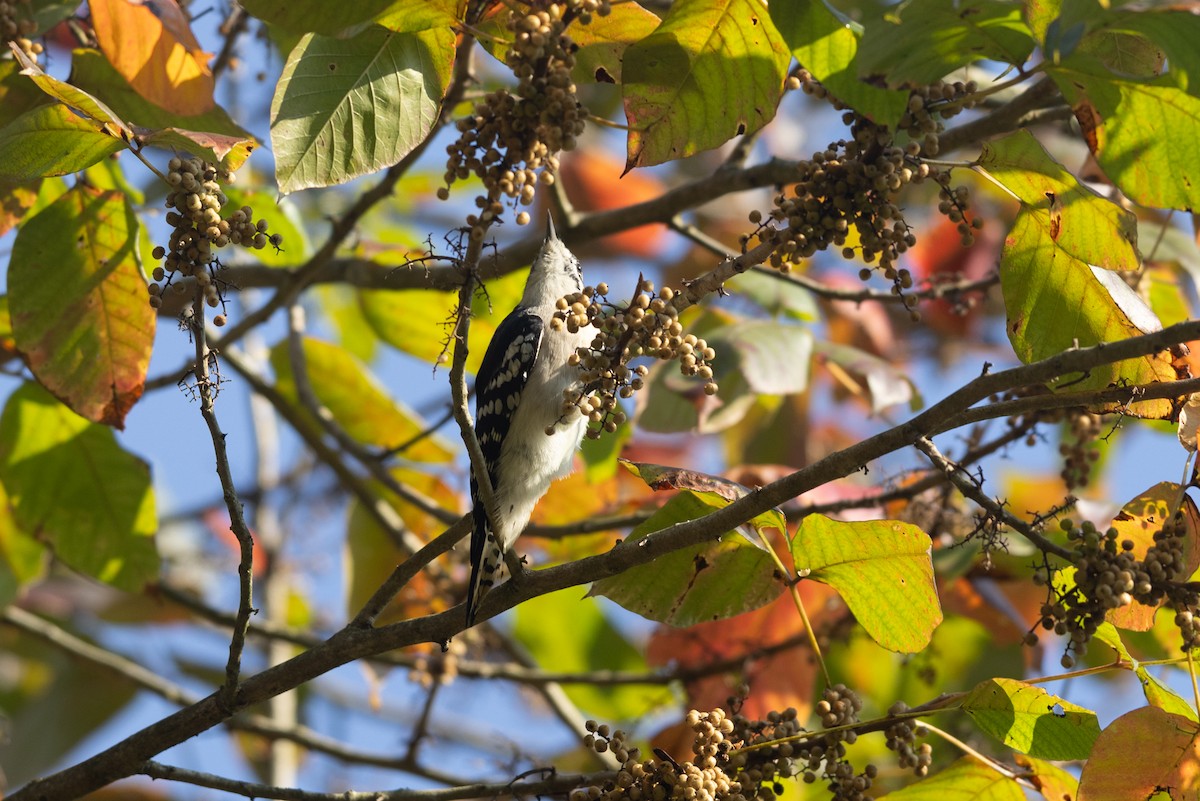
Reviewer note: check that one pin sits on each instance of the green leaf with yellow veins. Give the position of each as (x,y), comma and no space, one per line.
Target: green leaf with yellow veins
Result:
(1030,720)
(828,48)
(966,778)
(713,69)
(1054,269)
(68,480)
(348,107)
(51,140)
(79,305)
(952,35)
(883,571)
(1124,123)
(357,401)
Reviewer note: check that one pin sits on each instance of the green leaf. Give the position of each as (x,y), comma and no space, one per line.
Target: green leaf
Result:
(1157,694)
(22,558)
(79,306)
(603,41)
(715,490)
(332,19)
(1053,269)
(348,107)
(1150,33)
(1141,753)
(828,48)
(357,401)
(213,135)
(600,455)
(1029,719)
(882,570)
(951,36)
(566,633)
(78,99)
(72,485)
(716,579)
(966,778)
(418,321)
(51,140)
(1124,122)
(17,93)
(284,219)
(712,70)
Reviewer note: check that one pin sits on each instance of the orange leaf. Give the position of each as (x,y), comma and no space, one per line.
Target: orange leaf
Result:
(777,678)
(151,44)
(1142,754)
(594,183)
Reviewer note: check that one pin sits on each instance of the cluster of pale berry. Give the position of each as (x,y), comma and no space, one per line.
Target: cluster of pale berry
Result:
(198,228)
(853,186)
(648,325)
(1108,576)
(1078,447)
(17,25)
(901,738)
(513,135)
(737,759)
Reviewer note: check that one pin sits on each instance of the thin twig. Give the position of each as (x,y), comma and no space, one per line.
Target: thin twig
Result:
(206,388)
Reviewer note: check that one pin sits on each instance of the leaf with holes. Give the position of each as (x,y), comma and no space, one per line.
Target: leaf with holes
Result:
(1027,718)
(1053,269)
(348,107)
(828,48)
(709,72)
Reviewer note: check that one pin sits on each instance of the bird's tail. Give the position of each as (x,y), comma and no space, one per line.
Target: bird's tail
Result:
(487,561)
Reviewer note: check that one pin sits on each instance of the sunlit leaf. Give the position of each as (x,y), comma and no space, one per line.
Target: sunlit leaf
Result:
(828,48)
(79,306)
(952,35)
(965,778)
(358,402)
(1053,263)
(881,568)
(1157,693)
(1027,718)
(709,72)
(73,96)
(772,357)
(51,140)
(72,485)
(724,576)
(1140,753)
(152,45)
(1123,122)
(776,294)
(347,107)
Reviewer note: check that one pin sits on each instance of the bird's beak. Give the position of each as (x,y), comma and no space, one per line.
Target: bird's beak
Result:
(550,233)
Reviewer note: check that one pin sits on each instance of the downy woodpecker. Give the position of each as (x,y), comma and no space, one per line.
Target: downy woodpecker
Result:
(526,438)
